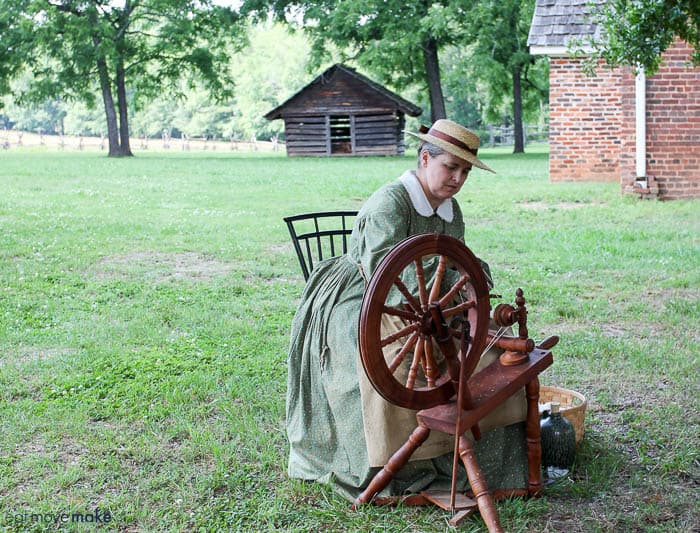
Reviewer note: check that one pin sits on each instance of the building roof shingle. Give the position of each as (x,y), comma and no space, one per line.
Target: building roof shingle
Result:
(401,104)
(556,22)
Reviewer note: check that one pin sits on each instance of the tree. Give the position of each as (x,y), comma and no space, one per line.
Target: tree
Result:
(397,40)
(73,46)
(12,48)
(636,32)
(46,116)
(494,38)
(271,70)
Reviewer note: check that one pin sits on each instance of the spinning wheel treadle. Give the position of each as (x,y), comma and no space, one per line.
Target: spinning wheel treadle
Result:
(418,366)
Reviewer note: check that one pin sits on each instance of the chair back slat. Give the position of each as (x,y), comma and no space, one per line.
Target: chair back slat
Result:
(325,230)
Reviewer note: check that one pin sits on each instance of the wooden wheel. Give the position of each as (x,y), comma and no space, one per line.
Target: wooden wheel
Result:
(423,291)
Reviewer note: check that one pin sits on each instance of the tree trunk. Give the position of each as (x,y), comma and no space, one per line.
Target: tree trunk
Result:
(519,141)
(112,130)
(432,70)
(125,149)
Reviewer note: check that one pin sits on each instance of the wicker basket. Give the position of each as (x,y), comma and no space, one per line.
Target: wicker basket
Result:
(572,406)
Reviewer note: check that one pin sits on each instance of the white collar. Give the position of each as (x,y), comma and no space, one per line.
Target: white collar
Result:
(420,201)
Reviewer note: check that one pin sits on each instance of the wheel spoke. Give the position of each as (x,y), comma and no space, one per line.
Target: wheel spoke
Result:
(422,290)
(417,356)
(407,315)
(401,333)
(435,290)
(458,308)
(461,282)
(430,368)
(398,359)
(407,294)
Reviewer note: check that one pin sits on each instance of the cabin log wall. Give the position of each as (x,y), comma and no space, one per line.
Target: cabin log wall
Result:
(343,113)
(380,134)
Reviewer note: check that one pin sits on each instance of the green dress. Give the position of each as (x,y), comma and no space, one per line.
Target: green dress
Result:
(324,412)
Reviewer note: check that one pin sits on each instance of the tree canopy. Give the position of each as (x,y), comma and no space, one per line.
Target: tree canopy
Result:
(210,85)
(71,47)
(637,32)
(401,42)
(396,40)
(493,38)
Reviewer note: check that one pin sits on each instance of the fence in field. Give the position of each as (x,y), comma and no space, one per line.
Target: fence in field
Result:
(491,136)
(10,139)
(503,135)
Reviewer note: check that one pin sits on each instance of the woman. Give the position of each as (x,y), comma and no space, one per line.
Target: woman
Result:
(340,429)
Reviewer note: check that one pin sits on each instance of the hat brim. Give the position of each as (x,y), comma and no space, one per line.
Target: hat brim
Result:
(451,148)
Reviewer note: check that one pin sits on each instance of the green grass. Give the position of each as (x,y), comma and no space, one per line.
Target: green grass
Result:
(144,311)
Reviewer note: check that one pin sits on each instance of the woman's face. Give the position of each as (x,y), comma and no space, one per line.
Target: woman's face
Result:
(442,176)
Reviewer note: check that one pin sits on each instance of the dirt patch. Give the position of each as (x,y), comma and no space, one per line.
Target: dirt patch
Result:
(67,453)
(161,266)
(27,354)
(26,457)
(281,248)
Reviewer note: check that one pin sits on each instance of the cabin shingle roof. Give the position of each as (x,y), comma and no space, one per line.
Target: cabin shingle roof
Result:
(400,103)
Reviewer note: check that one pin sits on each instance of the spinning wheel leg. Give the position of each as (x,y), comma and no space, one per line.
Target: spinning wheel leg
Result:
(395,463)
(484,500)
(532,438)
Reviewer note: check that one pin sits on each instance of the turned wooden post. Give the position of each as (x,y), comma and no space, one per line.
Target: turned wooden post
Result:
(483,497)
(532,438)
(396,462)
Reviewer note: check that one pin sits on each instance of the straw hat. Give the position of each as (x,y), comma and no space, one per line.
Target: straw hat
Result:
(454,139)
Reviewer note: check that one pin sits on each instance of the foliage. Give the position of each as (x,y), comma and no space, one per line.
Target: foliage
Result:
(396,41)
(494,65)
(498,33)
(636,32)
(14,49)
(268,70)
(479,91)
(273,67)
(144,46)
(198,115)
(162,115)
(483,54)
(46,117)
(84,120)
(276,63)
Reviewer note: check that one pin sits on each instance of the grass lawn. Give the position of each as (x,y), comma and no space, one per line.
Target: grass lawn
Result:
(145,305)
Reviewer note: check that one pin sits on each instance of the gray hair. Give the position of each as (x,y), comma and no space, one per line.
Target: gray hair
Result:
(432,149)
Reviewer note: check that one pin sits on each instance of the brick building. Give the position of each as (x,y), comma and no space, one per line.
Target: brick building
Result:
(617,126)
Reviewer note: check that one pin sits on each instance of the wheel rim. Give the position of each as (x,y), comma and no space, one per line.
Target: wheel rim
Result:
(417,365)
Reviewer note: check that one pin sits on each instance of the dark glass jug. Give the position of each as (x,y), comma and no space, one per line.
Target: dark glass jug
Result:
(558,442)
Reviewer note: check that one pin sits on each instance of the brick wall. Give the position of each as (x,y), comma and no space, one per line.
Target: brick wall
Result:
(673,127)
(585,117)
(592,124)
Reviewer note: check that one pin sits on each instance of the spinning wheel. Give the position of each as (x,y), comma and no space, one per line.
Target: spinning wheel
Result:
(431,293)
(457,293)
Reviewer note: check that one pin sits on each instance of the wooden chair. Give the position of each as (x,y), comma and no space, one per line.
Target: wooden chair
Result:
(319,236)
